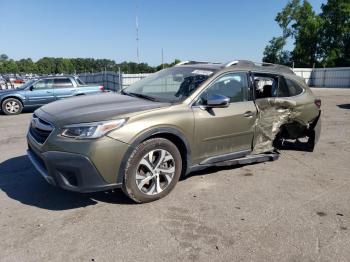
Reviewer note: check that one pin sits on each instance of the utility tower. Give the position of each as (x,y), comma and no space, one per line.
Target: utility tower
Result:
(137,39)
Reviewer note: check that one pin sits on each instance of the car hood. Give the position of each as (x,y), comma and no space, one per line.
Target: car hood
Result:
(93,108)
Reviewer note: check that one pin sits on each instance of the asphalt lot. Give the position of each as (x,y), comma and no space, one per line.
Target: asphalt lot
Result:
(294,209)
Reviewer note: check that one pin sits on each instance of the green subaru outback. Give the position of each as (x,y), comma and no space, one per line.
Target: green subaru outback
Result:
(185,118)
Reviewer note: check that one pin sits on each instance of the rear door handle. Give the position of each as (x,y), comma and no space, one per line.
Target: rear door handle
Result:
(248,114)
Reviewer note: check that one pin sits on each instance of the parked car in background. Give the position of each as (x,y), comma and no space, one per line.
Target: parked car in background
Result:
(36,93)
(178,120)
(2,81)
(19,80)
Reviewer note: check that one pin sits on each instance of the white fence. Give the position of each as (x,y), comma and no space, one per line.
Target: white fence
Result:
(110,80)
(325,77)
(129,79)
(318,77)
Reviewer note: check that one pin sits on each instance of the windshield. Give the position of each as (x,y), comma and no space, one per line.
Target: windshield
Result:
(27,84)
(171,85)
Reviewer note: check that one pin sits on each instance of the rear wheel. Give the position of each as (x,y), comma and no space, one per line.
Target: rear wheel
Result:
(11,106)
(152,171)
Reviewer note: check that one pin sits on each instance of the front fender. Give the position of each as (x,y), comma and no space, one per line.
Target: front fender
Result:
(144,136)
(14,95)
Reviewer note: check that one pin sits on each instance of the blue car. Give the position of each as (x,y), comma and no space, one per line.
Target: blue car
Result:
(36,93)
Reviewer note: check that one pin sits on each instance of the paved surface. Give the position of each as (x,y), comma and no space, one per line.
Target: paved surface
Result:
(293,209)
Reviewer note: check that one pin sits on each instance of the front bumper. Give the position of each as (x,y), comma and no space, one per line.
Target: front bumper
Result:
(78,165)
(69,171)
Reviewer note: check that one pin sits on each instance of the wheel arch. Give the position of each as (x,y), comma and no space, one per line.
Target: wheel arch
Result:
(12,96)
(173,135)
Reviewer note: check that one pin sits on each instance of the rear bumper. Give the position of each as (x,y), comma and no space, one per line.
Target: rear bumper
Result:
(316,125)
(69,171)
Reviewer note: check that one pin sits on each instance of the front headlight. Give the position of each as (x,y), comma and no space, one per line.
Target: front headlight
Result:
(91,130)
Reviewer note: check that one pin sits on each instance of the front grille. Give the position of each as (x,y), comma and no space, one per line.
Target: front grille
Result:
(40,129)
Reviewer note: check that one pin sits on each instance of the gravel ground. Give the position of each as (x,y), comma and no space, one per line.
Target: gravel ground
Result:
(293,209)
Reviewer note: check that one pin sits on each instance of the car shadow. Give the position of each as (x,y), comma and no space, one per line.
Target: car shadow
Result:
(344,106)
(21,182)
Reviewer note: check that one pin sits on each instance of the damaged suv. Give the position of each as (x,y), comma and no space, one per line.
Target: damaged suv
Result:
(188,117)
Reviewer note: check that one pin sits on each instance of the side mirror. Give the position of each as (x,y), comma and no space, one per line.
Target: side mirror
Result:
(217,101)
(31,88)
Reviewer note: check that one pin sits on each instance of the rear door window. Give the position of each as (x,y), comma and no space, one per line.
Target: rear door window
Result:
(282,90)
(62,83)
(294,88)
(265,85)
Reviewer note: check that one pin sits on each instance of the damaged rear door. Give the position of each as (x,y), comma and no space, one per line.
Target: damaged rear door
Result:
(279,110)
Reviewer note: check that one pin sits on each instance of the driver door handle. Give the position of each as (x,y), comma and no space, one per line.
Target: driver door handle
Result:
(248,114)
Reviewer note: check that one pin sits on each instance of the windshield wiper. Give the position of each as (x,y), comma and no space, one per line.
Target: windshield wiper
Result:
(140,96)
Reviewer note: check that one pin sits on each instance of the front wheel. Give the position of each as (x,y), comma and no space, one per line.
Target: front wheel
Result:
(152,171)
(11,106)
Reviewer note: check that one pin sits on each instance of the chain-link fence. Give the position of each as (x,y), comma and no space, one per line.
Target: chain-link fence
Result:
(110,80)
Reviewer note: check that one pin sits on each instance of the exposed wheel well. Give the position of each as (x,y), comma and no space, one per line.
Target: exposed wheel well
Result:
(179,143)
(293,130)
(291,134)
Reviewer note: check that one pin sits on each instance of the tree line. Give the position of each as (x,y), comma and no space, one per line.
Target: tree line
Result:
(319,39)
(51,65)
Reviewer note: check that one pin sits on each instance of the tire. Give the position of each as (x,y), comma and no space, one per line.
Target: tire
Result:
(143,180)
(11,106)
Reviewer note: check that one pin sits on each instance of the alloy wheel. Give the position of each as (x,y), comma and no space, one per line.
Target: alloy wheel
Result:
(155,172)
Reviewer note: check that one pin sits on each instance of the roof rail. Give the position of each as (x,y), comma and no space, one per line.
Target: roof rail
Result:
(282,68)
(234,62)
(193,63)
(240,62)
(247,63)
(182,63)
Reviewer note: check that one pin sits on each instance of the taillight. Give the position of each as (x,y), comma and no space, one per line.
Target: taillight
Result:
(318,103)
(101,88)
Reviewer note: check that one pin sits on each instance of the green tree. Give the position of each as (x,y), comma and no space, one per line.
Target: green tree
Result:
(26,66)
(306,29)
(298,21)
(318,39)
(9,66)
(46,65)
(286,16)
(335,42)
(68,66)
(274,52)
(3,57)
